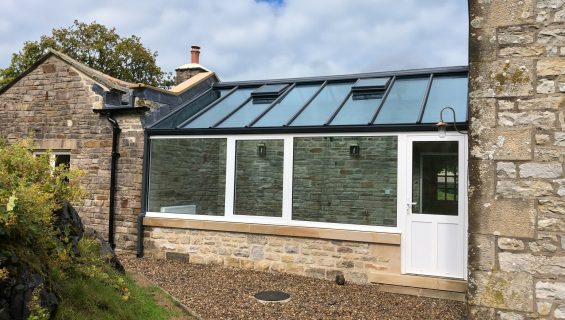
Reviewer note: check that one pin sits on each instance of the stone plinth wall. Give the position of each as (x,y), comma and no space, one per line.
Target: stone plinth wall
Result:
(54,104)
(318,258)
(517,149)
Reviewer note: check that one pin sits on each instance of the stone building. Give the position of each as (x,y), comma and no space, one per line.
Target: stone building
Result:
(517,149)
(74,111)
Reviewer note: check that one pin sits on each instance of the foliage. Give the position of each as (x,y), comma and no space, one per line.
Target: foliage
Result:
(30,191)
(92,289)
(96,46)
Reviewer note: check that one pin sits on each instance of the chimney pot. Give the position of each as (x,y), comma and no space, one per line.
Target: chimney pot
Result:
(195,54)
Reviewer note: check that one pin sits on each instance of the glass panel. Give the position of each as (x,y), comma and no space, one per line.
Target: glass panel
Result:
(332,184)
(435,178)
(403,102)
(259,177)
(322,107)
(187,176)
(358,111)
(245,115)
(63,159)
(281,113)
(222,109)
(447,92)
(187,110)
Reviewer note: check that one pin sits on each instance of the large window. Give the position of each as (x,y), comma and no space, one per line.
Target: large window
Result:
(187,176)
(302,180)
(259,177)
(349,180)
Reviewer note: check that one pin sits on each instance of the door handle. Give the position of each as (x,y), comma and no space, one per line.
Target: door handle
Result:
(409,206)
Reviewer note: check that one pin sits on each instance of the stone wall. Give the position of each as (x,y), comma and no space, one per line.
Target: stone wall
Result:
(517,134)
(54,104)
(318,258)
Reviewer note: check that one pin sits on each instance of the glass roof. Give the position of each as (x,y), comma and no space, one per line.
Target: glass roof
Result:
(407,98)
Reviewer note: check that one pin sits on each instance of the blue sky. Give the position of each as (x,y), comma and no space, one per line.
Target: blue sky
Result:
(248,39)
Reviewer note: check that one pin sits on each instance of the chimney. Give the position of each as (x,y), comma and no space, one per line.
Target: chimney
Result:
(195,54)
(188,71)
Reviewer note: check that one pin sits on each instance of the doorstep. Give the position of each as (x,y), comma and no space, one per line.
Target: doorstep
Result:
(419,282)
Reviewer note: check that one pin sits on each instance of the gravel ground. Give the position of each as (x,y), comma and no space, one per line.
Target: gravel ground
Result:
(226,293)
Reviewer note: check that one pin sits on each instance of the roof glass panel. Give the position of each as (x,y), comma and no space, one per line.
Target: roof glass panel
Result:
(223,108)
(324,105)
(371,83)
(357,111)
(245,115)
(447,91)
(281,113)
(402,105)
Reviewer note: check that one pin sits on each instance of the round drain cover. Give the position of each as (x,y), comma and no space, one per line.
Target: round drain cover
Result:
(272,296)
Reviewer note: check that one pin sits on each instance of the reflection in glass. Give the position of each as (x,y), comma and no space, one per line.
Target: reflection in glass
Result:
(281,113)
(187,176)
(259,177)
(402,105)
(332,185)
(447,92)
(358,110)
(435,178)
(219,111)
(323,106)
(245,115)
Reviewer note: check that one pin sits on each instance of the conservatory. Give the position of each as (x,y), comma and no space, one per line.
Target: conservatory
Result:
(359,162)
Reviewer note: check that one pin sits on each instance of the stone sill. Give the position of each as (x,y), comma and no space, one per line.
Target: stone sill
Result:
(292,231)
(436,283)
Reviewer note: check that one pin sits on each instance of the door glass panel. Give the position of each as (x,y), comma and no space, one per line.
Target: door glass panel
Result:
(435,178)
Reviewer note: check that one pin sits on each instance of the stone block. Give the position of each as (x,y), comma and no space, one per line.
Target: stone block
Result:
(545,86)
(232,262)
(524,189)
(505,315)
(506,170)
(482,45)
(523,34)
(196,259)
(505,217)
(504,104)
(553,35)
(482,114)
(551,224)
(534,264)
(500,13)
(551,206)
(517,52)
(481,252)
(543,308)
(542,138)
(541,170)
(550,290)
(319,273)
(559,139)
(539,119)
(355,277)
(551,67)
(510,244)
(503,144)
(504,290)
(509,78)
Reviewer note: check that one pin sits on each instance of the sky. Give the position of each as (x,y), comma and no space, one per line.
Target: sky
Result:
(263,39)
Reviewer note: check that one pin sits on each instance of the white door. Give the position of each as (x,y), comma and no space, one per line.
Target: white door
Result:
(434,241)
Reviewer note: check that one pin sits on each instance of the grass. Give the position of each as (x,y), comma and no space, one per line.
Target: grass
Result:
(93,290)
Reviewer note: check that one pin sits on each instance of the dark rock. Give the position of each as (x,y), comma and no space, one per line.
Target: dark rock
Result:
(106,252)
(68,222)
(340,279)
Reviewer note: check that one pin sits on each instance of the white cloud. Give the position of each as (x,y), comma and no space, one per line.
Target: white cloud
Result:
(243,39)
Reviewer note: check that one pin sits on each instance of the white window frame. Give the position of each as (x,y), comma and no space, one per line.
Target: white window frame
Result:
(286,219)
(53,157)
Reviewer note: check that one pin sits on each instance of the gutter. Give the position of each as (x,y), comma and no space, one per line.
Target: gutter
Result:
(144,182)
(115,155)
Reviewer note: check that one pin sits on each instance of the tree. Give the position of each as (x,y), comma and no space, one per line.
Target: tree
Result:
(99,48)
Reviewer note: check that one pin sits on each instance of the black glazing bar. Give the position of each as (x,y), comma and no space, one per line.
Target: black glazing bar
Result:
(196,116)
(232,113)
(181,107)
(425,100)
(334,114)
(385,95)
(277,100)
(307,103)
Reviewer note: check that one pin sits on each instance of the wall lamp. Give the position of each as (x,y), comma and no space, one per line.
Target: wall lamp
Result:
(261,150)
(442,125)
